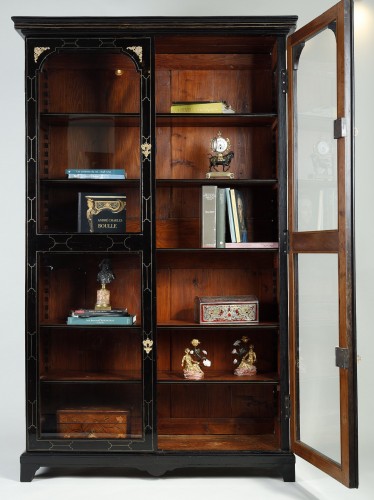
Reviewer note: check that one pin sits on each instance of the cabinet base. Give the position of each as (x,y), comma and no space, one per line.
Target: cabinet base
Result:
(157,464)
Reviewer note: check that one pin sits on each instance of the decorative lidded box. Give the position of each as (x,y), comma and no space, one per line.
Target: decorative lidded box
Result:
(99,423)
(236,309)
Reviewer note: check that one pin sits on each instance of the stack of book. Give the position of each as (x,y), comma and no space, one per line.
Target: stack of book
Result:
(201,107)
(223,208)
(101,173)
(112,317)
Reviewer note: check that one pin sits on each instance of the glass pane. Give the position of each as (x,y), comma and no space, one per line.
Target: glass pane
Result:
(90,130)
(90,366)
(318,335)
(316,148)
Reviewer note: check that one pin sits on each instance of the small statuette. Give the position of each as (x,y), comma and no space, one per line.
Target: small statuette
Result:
(247,357)
(221,157)
(104,276)
(191,360)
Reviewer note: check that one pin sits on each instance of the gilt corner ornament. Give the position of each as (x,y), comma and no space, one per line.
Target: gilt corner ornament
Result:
(38,51)
(138,51)
(146,149)
(148,345)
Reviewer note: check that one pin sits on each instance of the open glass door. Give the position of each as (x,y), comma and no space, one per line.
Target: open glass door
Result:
(322,336)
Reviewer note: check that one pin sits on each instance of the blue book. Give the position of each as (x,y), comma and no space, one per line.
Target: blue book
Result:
(97,171)
(102,320)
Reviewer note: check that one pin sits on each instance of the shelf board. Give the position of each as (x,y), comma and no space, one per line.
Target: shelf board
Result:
(81,376)
(64,326)
(212,377)
(188,183)
(210,119)
(188,325)
(212,442)
(129,183)
(91,119)
(217,250)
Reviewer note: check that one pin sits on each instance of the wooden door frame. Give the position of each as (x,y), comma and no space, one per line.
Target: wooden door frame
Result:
(338,241)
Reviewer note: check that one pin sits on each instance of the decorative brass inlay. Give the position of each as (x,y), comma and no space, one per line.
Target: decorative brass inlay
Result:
(146,149)
(138,51)
(38,51)
(148,345)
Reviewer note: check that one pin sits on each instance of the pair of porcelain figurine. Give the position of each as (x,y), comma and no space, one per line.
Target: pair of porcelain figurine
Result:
(194,355)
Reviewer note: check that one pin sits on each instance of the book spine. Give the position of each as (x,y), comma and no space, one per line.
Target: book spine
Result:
(113,171)
(208,216)
(221,218)
(230,215)
(104,321)
(96,176)
(235,215)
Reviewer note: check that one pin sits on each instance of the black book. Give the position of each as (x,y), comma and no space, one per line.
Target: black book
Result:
(101,213)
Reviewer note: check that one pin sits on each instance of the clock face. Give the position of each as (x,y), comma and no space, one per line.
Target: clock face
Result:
(323,147)
(219,144)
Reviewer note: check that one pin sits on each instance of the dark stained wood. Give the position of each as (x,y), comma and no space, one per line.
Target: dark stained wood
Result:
(203,442)
(84,85)
(218,61)
(69,375)
(68,282)
(76,354)
(181,44)
(216,426)
(214,376)
(315,241)
(218,342)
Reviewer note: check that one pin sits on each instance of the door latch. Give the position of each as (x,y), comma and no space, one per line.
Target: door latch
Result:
(341,357)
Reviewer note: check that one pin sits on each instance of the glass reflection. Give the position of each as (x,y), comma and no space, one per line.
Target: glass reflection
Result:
(318,335)
(316,154)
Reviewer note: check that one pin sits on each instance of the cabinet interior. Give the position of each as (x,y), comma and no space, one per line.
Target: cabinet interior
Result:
(90,117)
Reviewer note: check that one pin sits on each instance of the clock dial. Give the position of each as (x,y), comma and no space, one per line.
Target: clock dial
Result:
(323,147)
(221,144)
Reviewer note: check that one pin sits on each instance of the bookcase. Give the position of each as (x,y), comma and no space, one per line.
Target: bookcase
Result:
(98,96)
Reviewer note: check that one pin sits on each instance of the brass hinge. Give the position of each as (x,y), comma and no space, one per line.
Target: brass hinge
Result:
(287,407)
(341,357)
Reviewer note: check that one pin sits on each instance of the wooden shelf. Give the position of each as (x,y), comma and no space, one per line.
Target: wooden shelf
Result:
(188,183)
(91,119)
(211,376)
(211,119)
(64,326)
(186,325)
(128,183)
(81,376)
(188,442)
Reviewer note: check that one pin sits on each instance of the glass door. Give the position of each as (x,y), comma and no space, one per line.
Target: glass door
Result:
(89,278)
(323,380)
